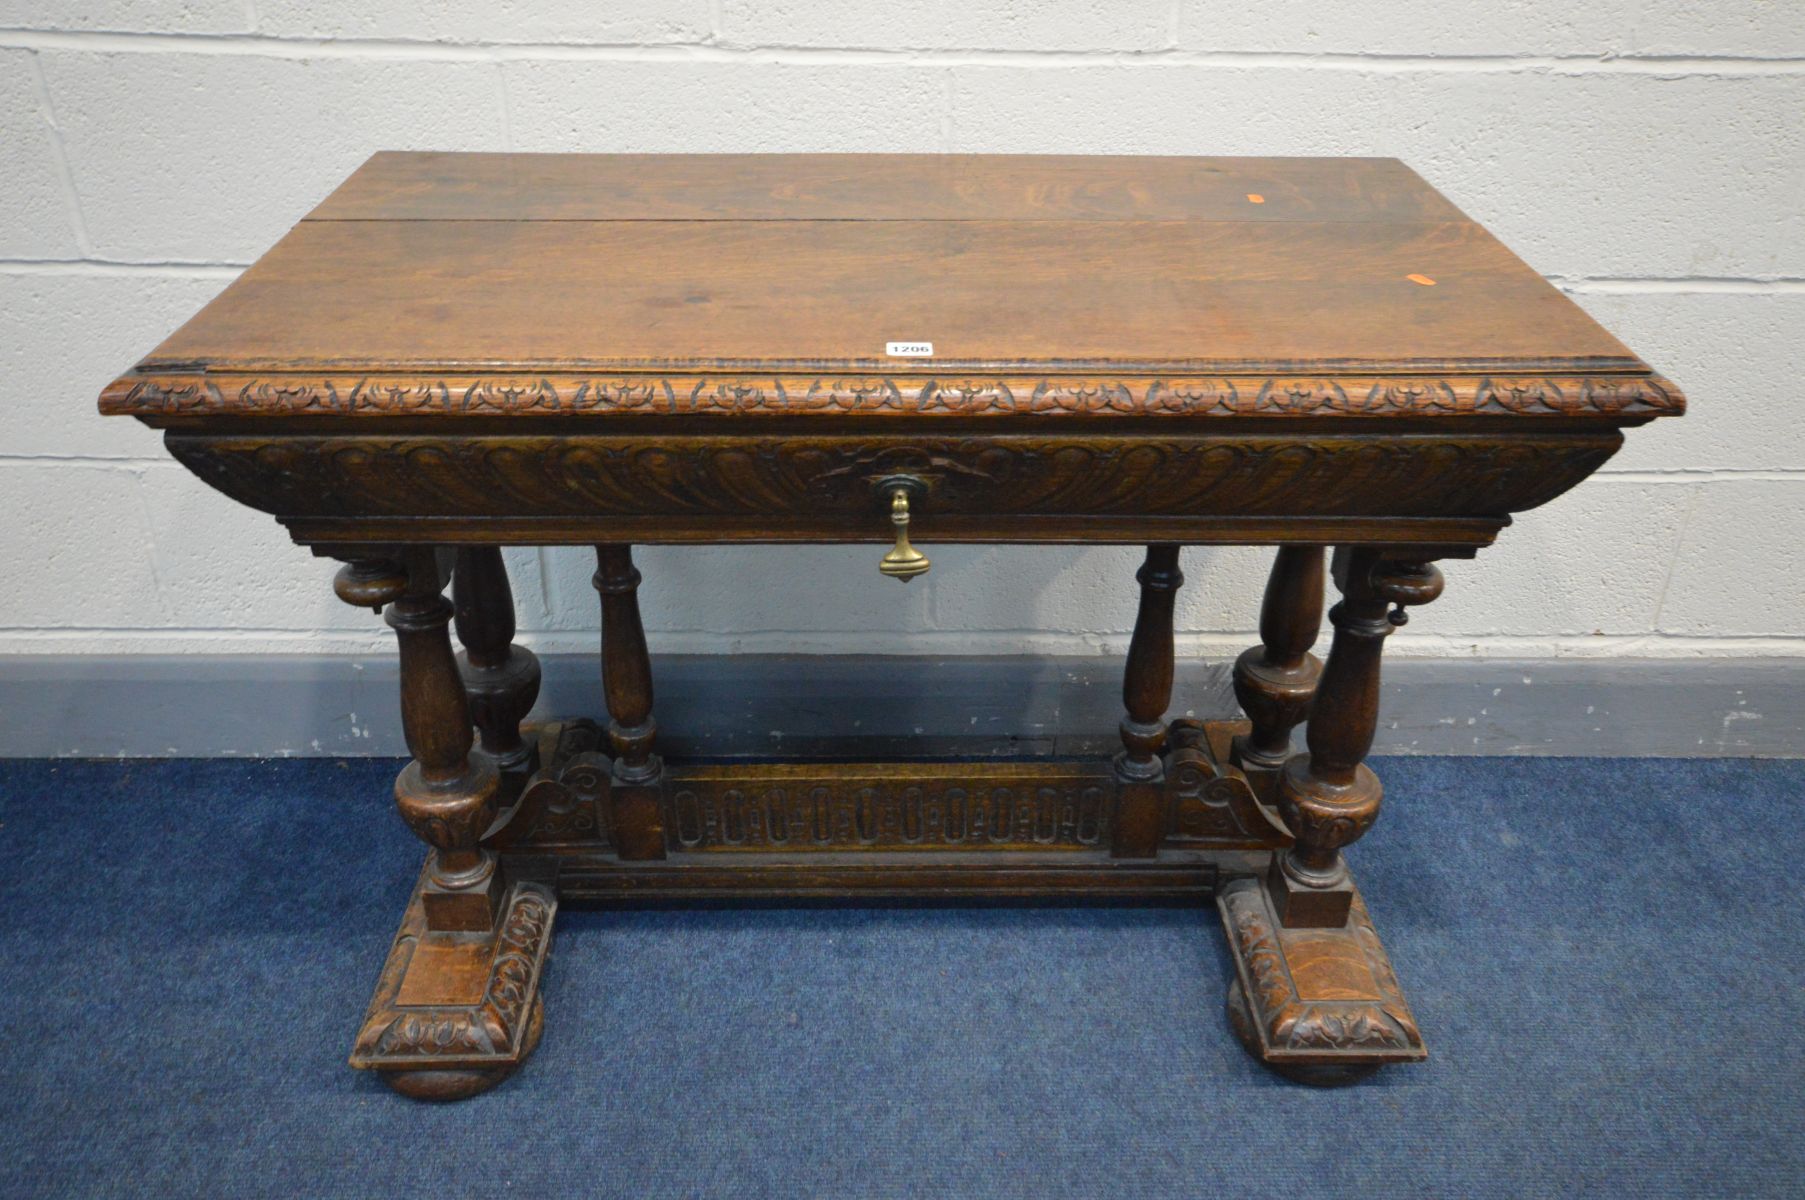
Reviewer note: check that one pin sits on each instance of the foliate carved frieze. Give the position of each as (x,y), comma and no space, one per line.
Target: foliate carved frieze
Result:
(1288,1023)
(562,395)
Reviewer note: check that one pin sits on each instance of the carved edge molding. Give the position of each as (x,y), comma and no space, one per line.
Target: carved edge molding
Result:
(177,395)
(488,1033)
(1293,1029)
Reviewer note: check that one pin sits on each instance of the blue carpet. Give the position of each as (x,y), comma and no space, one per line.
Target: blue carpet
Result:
(1606,957)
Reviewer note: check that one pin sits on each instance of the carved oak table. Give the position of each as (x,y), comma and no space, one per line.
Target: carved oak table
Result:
(459,352)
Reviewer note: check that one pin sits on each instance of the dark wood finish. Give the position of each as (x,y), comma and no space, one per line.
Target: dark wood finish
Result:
(637,817)
(1327,796)
(1275,680)
(1443,489)
(1146,694)
(563,293)
(447,795)
(1318,1005)
(913,826)
(875,187)
(1147,677)
(456,353)
(501,679)
(456,1012)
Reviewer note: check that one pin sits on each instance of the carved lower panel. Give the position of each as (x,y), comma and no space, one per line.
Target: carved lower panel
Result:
(449,1001)
(890,807)
(779,808)
(1315,997)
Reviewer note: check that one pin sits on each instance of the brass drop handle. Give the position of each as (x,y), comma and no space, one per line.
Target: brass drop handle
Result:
(904,561)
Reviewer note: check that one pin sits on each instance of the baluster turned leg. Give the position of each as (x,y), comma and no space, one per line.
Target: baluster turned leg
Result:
(501,680)
(1146,691)
(1314,996)
(1275,680)
(1328,796)
(446,795)
(457,1008)
(637,808)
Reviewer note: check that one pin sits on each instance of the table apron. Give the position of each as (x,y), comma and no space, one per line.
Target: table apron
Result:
(1455,489)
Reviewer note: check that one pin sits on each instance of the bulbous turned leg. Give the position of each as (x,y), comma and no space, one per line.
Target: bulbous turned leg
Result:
(457,1007)
(447,795)
(1275,680)
(1327,796)
(1315,998)
(1139,822)
(636,794)
(501,680)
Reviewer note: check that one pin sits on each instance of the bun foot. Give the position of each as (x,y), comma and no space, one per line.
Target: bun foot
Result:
(462,1084)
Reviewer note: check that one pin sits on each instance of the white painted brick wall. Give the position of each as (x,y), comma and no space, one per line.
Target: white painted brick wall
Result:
(1648,155)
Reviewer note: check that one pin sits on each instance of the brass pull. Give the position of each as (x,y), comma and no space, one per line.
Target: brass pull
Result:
(904,561)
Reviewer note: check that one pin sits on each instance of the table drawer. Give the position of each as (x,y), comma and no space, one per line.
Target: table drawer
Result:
(837,483)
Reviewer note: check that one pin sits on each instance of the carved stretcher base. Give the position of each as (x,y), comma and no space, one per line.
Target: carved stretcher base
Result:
(1318,1006)
(456,1013)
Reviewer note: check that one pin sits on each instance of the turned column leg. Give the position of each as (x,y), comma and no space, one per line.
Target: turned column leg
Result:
(446,795)
(1146,692)
(501,680)
(1327,796)
(1275,680)
(637,808)
(457,1008)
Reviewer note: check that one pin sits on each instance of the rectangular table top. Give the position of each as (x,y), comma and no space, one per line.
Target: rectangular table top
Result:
(452,283)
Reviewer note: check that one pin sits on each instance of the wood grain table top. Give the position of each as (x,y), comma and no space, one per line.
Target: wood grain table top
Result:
(439,283)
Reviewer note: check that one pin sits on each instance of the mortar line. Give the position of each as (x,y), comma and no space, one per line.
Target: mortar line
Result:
(1692,475)
(101,266)
(128,463)
(1680,475)
(1600,285)
(1600,62)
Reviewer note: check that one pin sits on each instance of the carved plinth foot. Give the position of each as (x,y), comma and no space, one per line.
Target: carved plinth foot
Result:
(437,1083)
(455,1013)
(1318,1006)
